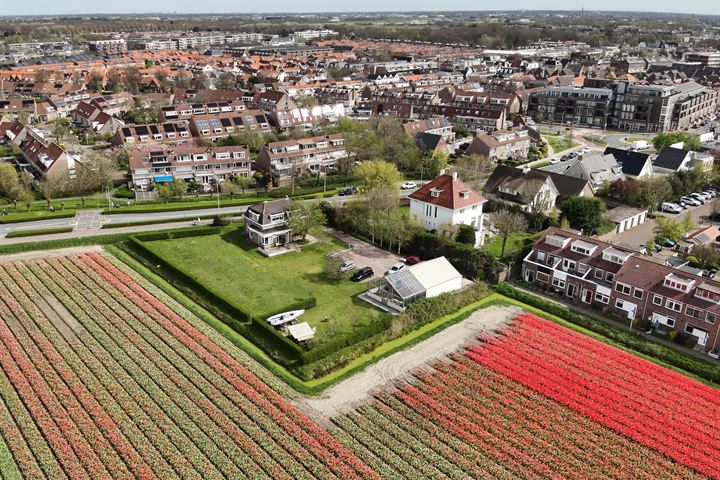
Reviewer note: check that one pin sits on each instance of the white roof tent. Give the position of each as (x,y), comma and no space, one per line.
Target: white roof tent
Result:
(426,279)
(301,331)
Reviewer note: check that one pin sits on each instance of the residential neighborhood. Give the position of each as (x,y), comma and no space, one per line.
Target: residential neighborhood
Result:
(373,241)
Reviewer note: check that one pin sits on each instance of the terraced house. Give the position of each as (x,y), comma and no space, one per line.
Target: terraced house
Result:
(220,125)
(623,282)
(311,153)
(198,164)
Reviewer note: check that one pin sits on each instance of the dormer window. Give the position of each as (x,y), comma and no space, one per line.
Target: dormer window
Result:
(435,192)
(678,283)
(465,194)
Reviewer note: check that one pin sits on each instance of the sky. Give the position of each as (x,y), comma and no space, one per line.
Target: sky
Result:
(40,7)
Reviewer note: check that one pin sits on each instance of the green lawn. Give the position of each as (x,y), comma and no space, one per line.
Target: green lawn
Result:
(234,270)
(560,143)
(514,243)
(596,139)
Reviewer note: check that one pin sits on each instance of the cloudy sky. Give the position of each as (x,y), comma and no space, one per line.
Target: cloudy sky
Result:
(35,7)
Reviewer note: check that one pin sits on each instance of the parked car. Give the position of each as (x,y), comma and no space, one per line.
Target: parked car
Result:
(690,201)
(564,158)
(412,260)
(710,193)
(585,150)
(554,161)
(362,274)
(572,155)
(408,185)
(700,196)
(665,242)
(670,207)
(395,268)
(348,191)
(347,265)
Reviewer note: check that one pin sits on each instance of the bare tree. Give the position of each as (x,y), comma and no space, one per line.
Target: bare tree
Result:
(507,223)
(473,167)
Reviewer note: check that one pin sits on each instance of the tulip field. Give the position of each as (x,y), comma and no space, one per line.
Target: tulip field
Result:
(540,401)
(101,379)
(104,376)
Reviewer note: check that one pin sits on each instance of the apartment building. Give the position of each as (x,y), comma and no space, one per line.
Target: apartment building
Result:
(220,125)
(312,153)
(588,107)
(108,47)
(621,281)
(185,111)
(168,132)
(190,163)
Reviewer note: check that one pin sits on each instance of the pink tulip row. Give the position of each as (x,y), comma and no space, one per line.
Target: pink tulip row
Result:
(106,387)
(317,442)
(202,374)
(543,356)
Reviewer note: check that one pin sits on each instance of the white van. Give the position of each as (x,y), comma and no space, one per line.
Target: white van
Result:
(670,207)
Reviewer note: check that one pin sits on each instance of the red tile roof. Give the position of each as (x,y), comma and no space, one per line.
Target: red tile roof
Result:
(450,193)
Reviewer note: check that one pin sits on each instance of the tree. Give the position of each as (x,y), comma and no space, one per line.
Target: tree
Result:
(466,235)
(374,173)
(473,167)
(52,187)
(332,269)
(304,216)
(61,127)
(650,247)
(667,228)
(132,79)
(344,167)
(305,101)
(225,81)
(584,213)
(707,255)
(26,198)
(506,223)
(688,222)
(625,190)
(665,139)
(9,180)
(653,191)
(95,81)
(242,182)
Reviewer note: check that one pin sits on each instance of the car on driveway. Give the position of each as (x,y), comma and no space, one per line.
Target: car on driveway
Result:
(690,201)
(395,268)
(348,191)
(701,197)
(411,260)
(554,160)
(572,154)
(362,274)
(347,265)
(408,185)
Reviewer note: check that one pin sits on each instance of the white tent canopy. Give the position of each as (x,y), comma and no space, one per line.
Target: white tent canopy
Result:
(301,331)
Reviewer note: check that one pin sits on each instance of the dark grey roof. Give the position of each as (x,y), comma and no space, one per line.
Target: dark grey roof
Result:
(566,185)
(266,209)
(670,158)
(427,142)
(631,162)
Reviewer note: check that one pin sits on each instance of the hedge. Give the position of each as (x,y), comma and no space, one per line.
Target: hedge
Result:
(33,217)
(669,355)
(39,231)
(155,222)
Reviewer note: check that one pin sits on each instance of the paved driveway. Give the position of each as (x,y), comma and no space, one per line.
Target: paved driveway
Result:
(365,254)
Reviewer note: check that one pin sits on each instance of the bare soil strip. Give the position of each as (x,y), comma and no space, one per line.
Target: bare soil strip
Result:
(347,394)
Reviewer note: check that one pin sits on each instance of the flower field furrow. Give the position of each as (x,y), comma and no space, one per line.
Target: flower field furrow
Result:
(365,454)
(473,462)
(669,397)
(318,442)
(103,385)
(327,447)
(238,355)
(154,420)
(192,420)
(195,380)
(105,436)
(8,468)
(535,361)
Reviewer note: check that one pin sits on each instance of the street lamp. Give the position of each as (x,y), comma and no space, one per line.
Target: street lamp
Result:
(217,189)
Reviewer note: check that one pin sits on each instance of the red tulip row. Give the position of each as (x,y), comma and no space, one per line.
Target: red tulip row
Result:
(466,420)
(316,441)
(553,361)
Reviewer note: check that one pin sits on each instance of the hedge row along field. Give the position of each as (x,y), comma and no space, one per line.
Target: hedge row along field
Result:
(101,379)
(540,401)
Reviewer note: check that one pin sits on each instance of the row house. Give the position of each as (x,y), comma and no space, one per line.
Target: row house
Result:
(214,126)
(92,117)
(40,157)
(436,126)
(476,119)
(185,111)
(199,164)
(501,145)
(621,281)
(167,132)
(315,154)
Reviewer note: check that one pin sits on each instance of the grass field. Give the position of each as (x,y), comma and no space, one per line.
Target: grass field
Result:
(514,243)
(236,271)
(560,143)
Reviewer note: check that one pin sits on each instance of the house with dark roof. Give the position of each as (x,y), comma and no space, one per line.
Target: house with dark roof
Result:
(90,116)
(446,200)
(597,168)
(673,160)
(535,190)
(633,164)
(266,224)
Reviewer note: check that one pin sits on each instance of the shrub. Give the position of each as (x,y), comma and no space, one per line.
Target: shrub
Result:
(221,221)
(124,192)
(41,231)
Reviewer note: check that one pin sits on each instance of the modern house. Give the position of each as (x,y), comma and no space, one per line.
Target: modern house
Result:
(424,280)
(673,160)
(448,201)
(622,282)
(266,225)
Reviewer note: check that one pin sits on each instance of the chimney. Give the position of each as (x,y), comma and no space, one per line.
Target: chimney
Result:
(442,172)
(454,174)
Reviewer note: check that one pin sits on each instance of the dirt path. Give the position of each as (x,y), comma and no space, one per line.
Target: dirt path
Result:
(62,252)
(360,387)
